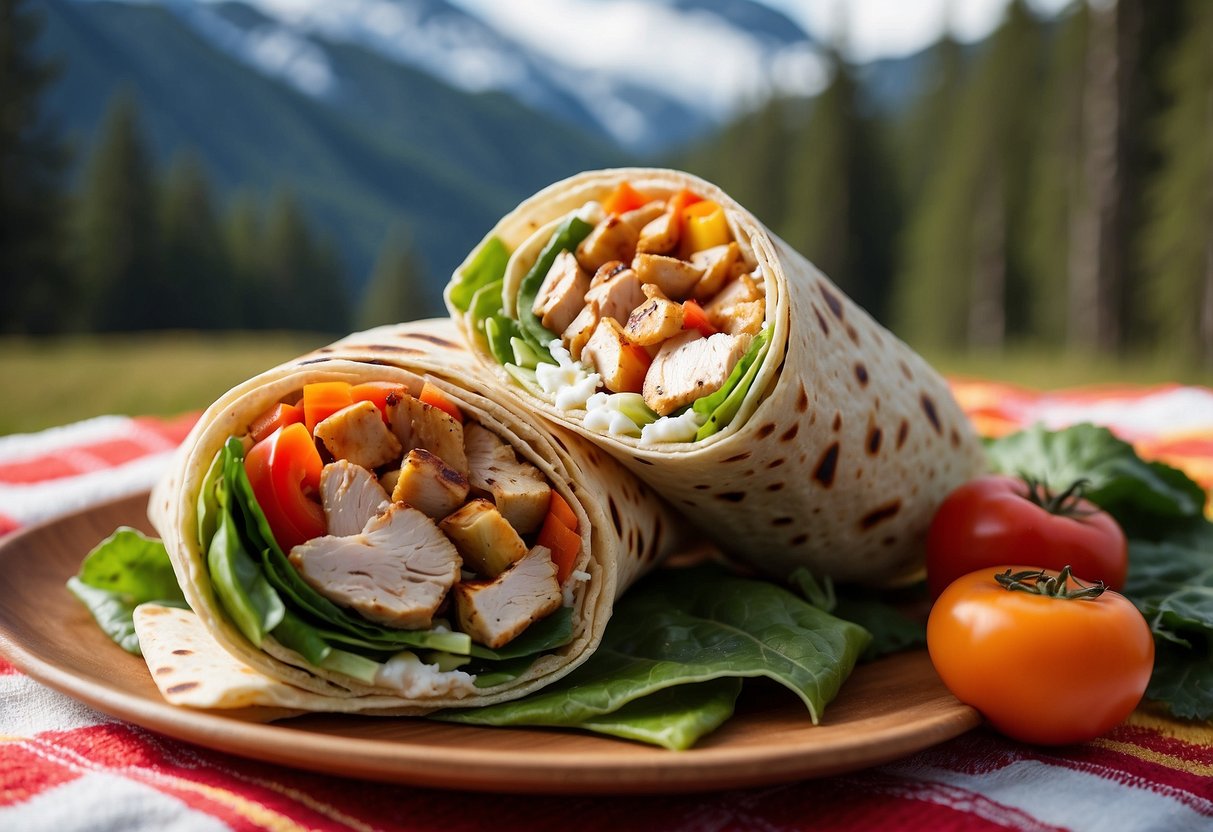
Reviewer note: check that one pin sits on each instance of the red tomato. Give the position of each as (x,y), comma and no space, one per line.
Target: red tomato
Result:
(999,519)
(1041,668)
(284,470)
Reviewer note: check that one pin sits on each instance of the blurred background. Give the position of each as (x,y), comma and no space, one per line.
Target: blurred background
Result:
(194,191)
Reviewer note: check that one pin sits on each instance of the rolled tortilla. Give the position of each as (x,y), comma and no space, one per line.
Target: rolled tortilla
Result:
(625,530)
(844,443)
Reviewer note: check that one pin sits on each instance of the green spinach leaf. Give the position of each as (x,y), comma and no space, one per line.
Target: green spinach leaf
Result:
(123,571)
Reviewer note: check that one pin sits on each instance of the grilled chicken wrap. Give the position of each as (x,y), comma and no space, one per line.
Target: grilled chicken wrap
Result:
(655,316)
(367,529)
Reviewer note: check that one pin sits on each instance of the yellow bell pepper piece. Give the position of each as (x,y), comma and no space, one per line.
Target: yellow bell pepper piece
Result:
(704,227)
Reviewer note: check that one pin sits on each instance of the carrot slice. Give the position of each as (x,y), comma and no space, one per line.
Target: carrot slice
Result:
(322,399)
(623,199)
(559,507)
(693,317)
(564,544)
(432,395)
(278,416)
(378,392)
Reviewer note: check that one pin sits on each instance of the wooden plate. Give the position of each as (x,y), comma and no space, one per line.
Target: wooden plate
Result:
(886,710)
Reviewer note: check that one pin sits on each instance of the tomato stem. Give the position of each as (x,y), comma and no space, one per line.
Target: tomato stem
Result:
(1066,504)
(1040,582)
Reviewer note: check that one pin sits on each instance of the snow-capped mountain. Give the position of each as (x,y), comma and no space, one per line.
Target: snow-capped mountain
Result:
(647,74)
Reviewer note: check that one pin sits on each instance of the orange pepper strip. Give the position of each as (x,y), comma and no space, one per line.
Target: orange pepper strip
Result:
(564,544)
(432,395)
(322,399)
(623,199)
(559,507)
(278,416)
(378,392)
(693,317)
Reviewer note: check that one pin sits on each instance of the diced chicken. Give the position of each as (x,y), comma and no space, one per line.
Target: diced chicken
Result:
(562,294)
(616,295)
(494,613)
(621,363)
(420,425)
(676,278)
(607,271)
(741,290)
(689,366)
(661,235)
(717,264)
(638,218)
(351,497)
(396,572)
(429,484)
(485,539)
(357,433)
(388,480)
(741,318)
(655,320)
(580,330)
(611,239)
(518,489)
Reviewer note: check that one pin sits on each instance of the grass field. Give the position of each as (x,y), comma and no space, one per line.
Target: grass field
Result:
(52,382)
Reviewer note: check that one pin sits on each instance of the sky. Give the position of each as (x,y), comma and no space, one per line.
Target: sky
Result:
(873,28)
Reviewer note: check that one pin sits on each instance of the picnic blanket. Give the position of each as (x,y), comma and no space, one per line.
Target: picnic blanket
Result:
(64,766)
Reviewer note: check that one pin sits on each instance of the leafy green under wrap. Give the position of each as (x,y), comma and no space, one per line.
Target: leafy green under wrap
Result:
(687,626)
(120,573)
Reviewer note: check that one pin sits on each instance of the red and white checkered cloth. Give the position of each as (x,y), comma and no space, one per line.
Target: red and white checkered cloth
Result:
(64,766)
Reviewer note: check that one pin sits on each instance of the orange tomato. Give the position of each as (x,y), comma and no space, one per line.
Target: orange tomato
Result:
(1040,668)
(280,415)
(432,395)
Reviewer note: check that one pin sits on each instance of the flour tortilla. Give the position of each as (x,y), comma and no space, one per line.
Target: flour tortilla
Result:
(626,528)
(842,450)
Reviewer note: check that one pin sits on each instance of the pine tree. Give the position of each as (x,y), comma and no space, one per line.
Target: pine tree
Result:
(301,285)
(33,275)
(1178,238)
(117,247)
(961,279)
(841,212)
(243,235)
(1055,177)
(396,290)
(917,138)
(194,266)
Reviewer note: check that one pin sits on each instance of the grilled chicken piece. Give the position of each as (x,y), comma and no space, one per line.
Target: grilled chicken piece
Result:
(676,278)
(640,217)
(717,264)
(429,484)
(351,497)
(519,491)
(395,572)
(621,363)
(485,539)
(357,433)
(615,293)
(611,239)
(580,330)
(420,425)
(742,290)
(689,366)
(494,613)
(562,294)
(740,318)
(661,235)
(655,320)
(607,271)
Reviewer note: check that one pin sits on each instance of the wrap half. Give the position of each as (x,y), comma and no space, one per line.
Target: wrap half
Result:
(652,314)
(372,528)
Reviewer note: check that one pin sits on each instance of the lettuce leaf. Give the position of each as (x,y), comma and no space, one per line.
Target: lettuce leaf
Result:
(487,265)
(566,237)
(686,626)
(125,570)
